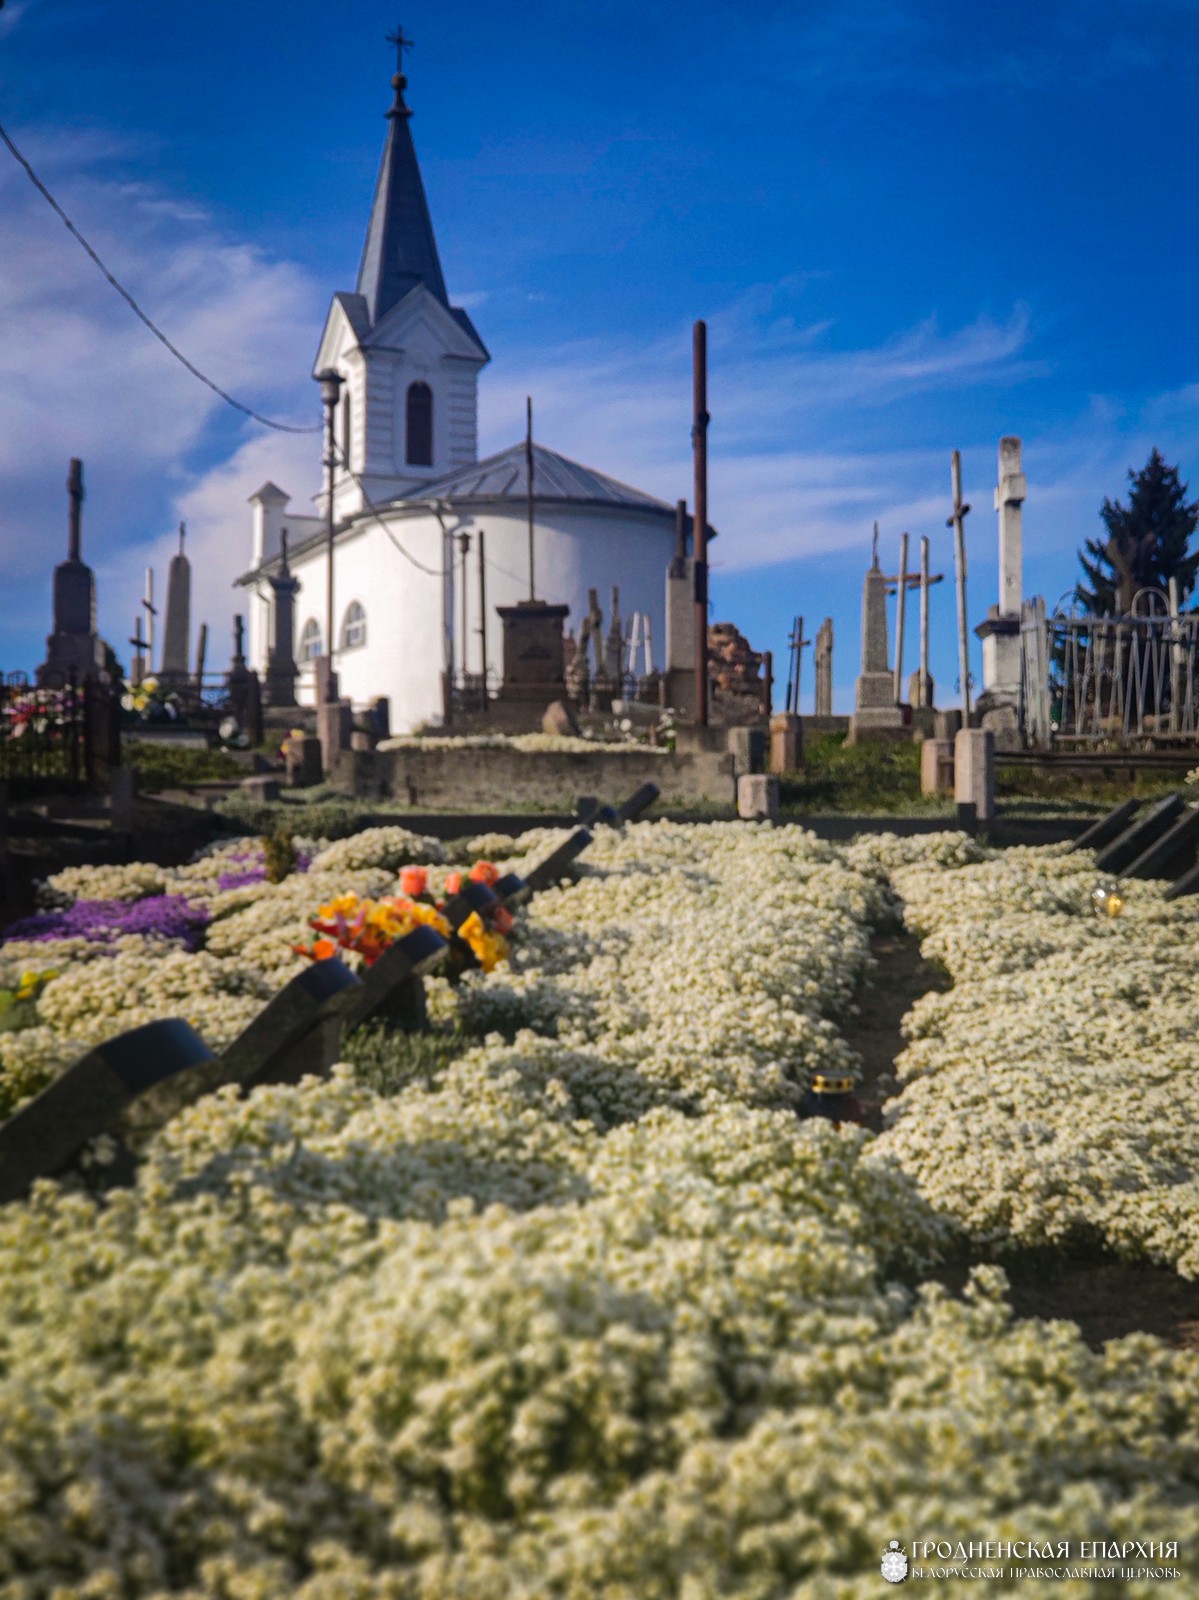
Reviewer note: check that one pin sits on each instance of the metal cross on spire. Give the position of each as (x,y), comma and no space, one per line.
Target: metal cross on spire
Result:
(401,43)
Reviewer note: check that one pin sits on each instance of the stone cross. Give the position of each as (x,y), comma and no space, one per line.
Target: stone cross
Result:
(824,668)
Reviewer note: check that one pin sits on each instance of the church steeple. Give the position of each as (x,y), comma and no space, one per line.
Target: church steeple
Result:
(400,249)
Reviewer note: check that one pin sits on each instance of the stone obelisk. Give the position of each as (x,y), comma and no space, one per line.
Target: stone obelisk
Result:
(74,645)
(876,714)
(177,629)
(281,671)
(824,668)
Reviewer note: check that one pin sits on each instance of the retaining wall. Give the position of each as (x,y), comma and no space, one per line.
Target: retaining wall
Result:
(495,779)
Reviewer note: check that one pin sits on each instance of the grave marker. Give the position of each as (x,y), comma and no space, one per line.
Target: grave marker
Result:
(1108,827)
(1139,835)
(88,1100)
(553,868)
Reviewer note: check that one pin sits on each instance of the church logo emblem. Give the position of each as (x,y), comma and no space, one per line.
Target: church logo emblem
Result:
(895,1562)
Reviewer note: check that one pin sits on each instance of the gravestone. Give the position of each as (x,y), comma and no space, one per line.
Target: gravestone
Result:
(748,748)
(334,728)
(875,715)
(392,990)
(1139,835)
(552,869)
(1108,827)
(302,761)
(45,1136)
(282,671)
(533,653)
(937,767)
(237,679)
(1171,853)
(296,1034)
(757,796)
(73,645)
(638,803)
(824,668)
(176,641)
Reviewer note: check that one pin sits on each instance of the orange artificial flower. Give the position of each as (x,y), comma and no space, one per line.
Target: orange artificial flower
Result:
(484,872)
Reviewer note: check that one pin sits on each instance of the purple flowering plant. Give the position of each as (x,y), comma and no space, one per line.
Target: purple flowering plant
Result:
(159,916)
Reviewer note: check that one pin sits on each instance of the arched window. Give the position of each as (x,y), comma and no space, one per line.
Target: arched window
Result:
(353,627)
(420,425)
(310,640)
(347,433)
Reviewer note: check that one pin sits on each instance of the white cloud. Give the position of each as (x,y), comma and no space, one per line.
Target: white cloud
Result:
(81,376)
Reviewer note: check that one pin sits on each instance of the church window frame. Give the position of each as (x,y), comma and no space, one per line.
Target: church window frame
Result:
(311,643)
(353,626)
(418,424)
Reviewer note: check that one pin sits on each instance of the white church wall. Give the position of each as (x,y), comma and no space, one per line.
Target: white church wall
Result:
(576,549)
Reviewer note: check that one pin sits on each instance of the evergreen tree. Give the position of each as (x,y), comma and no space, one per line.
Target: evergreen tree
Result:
(1146,542)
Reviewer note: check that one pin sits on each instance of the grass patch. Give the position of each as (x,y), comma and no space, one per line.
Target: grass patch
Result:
(388,1060)
(858,779)
(162,766)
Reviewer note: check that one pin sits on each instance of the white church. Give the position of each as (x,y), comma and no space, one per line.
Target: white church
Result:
(408,484)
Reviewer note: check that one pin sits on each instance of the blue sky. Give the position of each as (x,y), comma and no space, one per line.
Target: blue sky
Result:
(911,227)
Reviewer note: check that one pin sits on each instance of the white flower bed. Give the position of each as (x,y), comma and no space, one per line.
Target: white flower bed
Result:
(530,743)
(593,1316)
(1053,1093)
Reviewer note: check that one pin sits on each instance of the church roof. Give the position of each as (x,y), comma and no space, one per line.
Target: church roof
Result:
(505,477)
(400,249)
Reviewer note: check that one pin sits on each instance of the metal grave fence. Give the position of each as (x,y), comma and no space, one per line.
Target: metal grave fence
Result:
(1109,681)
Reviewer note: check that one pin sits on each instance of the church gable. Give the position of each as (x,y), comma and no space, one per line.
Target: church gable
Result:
(421,325)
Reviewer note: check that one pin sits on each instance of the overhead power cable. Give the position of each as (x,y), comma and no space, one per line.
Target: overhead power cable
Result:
(267,422)
(433,572)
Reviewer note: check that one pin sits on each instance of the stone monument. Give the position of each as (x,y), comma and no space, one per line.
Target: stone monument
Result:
(875,714)
(533,654)
(177,628)
(281,671)
(74,645)
(824,668)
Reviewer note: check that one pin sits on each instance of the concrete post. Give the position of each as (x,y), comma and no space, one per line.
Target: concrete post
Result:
(974,771)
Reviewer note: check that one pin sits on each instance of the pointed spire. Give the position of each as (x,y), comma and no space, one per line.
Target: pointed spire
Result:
(400,249)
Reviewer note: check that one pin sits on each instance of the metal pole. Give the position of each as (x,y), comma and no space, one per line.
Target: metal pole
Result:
(464,547)
(201,652)
(767,683)
(529,475)
(960,511)
(922,685)
(794,706)
(148,604)
(699,443)
(330,382)
(482,628)
(901,600)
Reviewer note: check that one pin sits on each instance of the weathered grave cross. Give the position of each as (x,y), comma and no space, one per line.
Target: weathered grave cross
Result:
(796,645)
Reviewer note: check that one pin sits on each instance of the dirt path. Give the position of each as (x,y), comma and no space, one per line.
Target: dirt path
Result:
(1105,1297)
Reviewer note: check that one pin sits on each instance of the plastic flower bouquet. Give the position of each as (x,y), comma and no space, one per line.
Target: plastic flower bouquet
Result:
(367,927)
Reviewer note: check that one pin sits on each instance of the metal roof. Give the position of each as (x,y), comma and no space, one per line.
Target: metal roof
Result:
(504,477)
(400,249)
